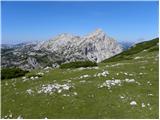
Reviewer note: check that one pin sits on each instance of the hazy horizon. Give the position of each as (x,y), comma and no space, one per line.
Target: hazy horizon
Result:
(36,21)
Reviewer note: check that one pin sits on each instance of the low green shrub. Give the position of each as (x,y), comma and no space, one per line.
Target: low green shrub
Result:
(78,64)
(8,73)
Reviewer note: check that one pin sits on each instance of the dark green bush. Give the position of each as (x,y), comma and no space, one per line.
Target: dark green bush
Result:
(78,64)
(8,73)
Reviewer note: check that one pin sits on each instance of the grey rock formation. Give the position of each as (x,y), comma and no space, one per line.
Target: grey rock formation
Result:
(33,62)
(96,46)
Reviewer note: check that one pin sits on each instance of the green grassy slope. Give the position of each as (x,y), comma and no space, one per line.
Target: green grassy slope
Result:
(127,55)
(86,99)
(78,64)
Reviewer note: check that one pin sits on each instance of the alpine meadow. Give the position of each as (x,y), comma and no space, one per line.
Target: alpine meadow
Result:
(97,66)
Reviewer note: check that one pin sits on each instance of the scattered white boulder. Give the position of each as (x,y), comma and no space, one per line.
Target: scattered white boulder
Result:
(81,68)
(138,83)
(32,78)
(47,68)
(110,83)
(150,94)
(40,73)
(24,78)
(29,91)
(133,103)
(130,74)
(143,105)
(104,74)
(95,68)
(69,81)
(89,68)
(136,58)
(65,87)
(59,91)
(84,76)
(140,73)
(148,82)
(36,77)
(122,97)
(148,104)
(75,93)
(82,81)
(125,73)
(114,82)
(51,88)
(129,80)
(10,115)
(66,95)
(19,117)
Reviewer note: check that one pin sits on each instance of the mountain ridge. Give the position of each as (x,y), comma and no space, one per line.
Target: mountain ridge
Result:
(93,41)
(63,48)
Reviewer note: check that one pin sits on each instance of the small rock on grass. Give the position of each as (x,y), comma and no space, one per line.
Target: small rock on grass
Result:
(133,103)
(143,105)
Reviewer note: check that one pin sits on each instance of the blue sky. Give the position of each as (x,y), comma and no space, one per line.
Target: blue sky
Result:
(32,21)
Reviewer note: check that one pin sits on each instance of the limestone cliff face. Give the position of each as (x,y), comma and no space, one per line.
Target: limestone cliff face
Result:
(95,46)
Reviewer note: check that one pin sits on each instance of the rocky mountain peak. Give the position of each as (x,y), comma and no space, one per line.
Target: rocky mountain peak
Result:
(97,33)
(63,35)
(96,46)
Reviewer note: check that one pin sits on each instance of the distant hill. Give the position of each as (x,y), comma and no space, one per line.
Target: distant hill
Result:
(126,44)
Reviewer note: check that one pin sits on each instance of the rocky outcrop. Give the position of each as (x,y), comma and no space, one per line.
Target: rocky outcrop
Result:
(96,46)
(63,48)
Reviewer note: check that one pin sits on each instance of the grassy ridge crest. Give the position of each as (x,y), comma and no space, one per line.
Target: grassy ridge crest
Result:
(151,45)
